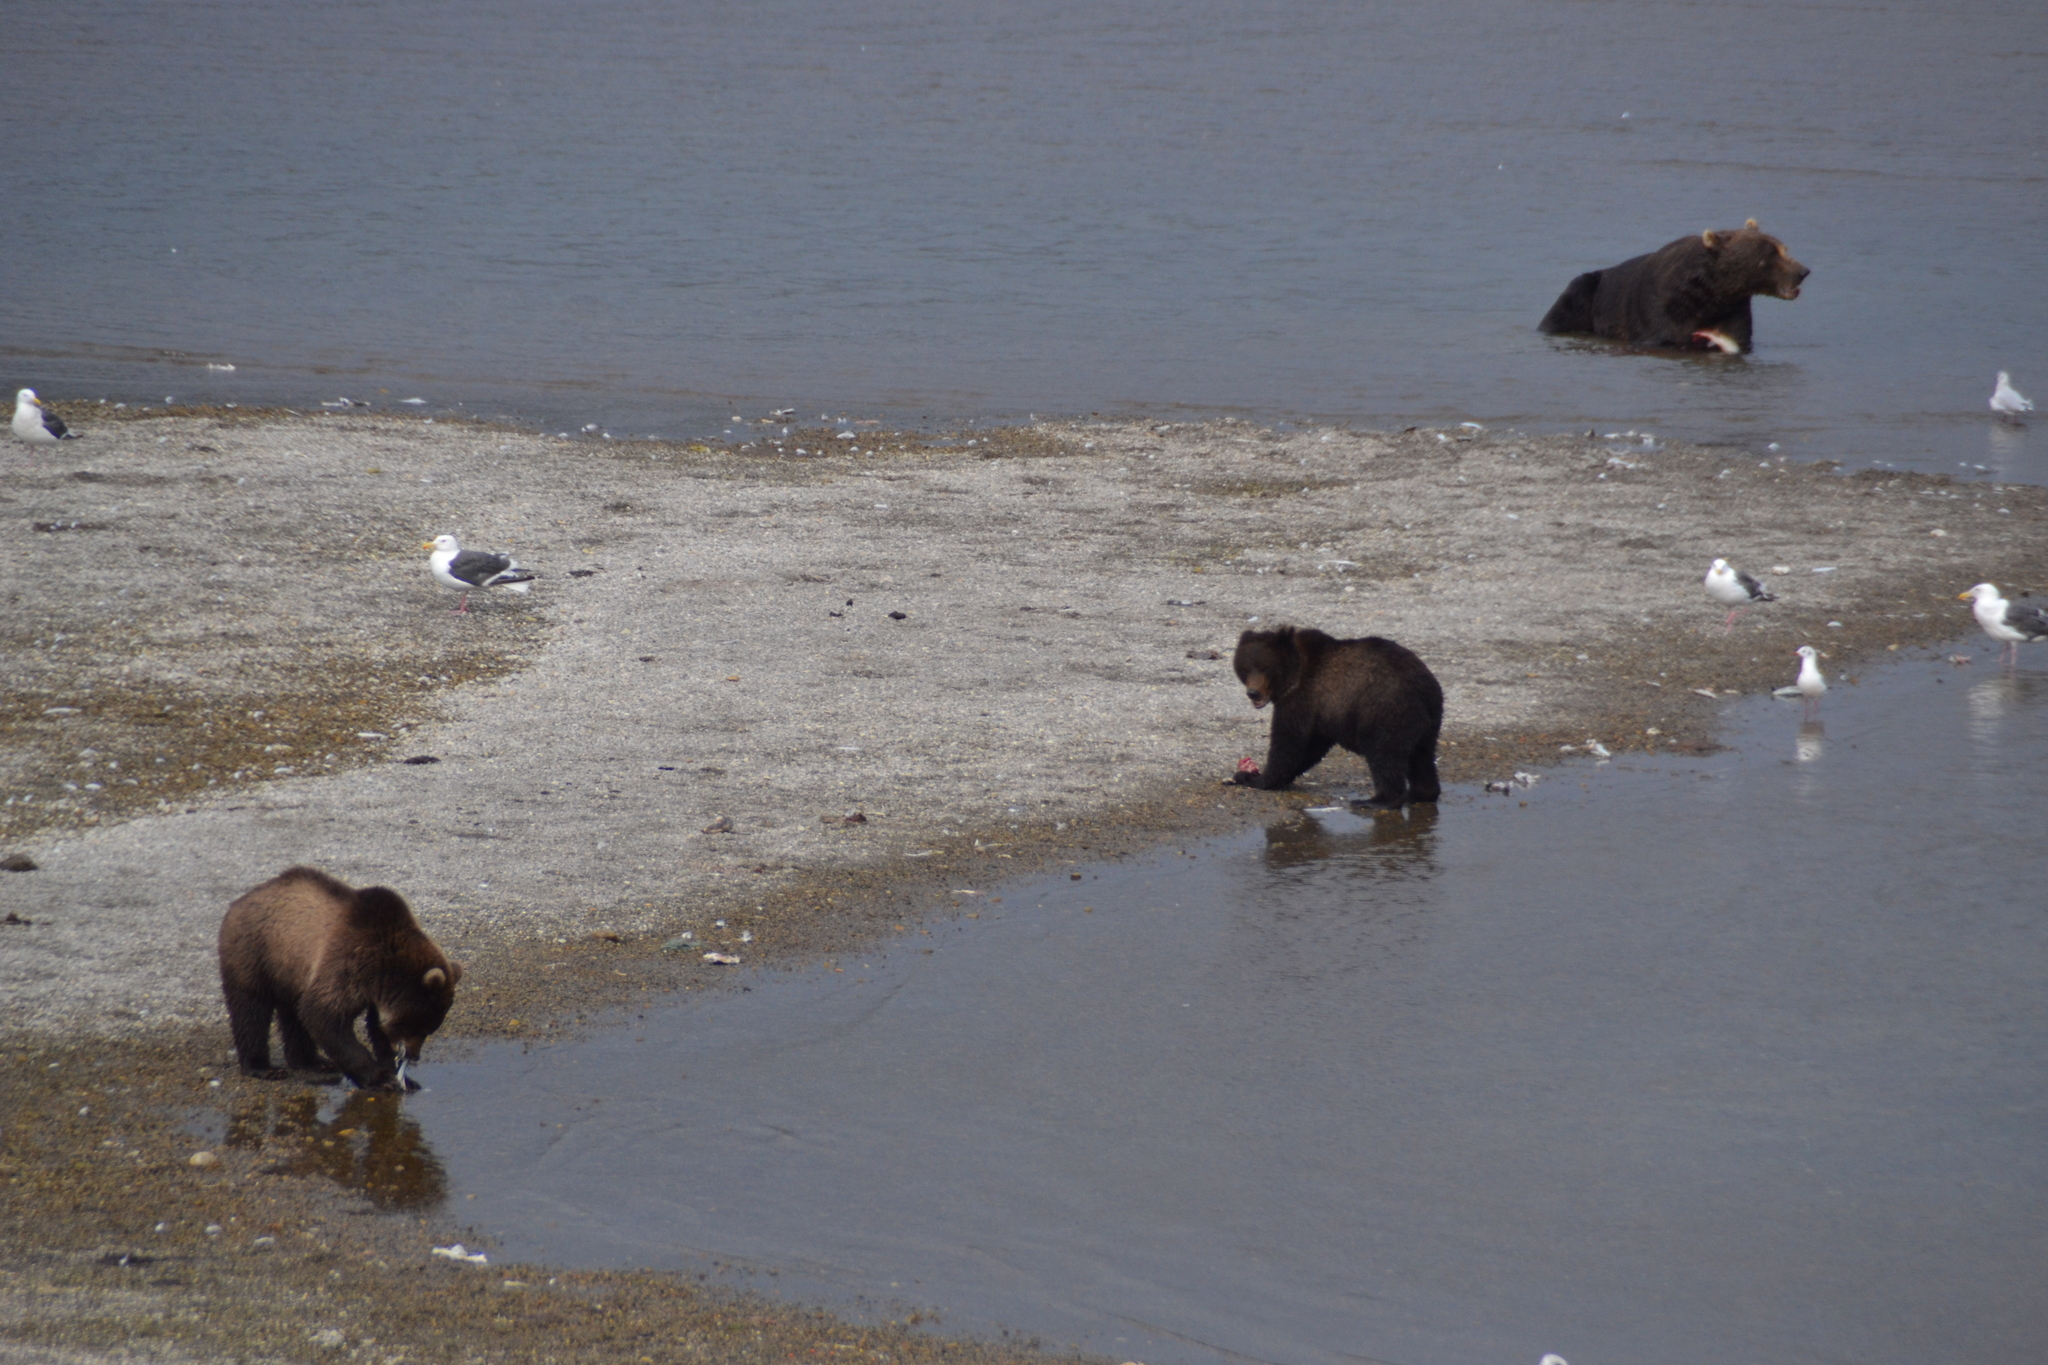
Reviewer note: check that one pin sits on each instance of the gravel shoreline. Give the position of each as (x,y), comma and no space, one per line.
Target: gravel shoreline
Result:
(1004,652)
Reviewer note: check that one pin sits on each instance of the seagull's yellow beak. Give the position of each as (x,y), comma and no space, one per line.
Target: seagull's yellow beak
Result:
(1965,596)
(428,545)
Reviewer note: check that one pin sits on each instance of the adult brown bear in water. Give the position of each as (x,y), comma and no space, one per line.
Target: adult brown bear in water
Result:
(318,955)
(1372,696)
(1693,294)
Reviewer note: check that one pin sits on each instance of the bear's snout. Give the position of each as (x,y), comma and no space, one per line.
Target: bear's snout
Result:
(1258,698)
(1795,275)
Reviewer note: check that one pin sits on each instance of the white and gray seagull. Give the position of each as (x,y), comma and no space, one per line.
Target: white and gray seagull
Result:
(467,571)
(1811,686)
(36,424)
(2012,624)
(1734,590)
(2006,400)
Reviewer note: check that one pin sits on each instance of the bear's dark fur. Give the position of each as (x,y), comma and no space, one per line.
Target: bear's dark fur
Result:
(1693,295)
(1372,696)
(318,955)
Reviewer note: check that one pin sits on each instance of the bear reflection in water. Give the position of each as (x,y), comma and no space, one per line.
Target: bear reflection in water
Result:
(1395,846)
(368,1146)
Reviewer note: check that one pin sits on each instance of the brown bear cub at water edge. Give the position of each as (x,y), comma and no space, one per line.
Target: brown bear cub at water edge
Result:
(318,955)
(1372,696)
(1693,294)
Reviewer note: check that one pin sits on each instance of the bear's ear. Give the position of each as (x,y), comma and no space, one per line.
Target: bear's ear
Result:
(454,971)
(434,979)
(1751,225)
(1711,240)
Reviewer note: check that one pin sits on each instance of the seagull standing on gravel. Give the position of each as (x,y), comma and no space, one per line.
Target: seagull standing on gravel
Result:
(2012,624)
(2006,400)
(1734,590)
(466,571)
(36,424)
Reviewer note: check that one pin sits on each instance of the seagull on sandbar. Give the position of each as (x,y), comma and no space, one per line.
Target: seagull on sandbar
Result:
(2012,624)
(1734,590)
(36,424)
(466,571)
(2006,400)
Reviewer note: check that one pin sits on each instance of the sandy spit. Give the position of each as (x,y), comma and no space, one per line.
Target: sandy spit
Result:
(1000,652)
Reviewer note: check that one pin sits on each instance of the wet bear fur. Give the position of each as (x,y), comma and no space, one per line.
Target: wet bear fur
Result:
(1372,696)
(1691,295)
(317,955)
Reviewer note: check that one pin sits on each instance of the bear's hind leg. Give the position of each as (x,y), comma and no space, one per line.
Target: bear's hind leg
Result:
(1573,311)
(1389,782)
(249,1022)
(1423,785)
(1389,778)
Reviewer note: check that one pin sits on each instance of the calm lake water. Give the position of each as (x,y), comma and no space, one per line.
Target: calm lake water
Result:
(652,216)
(1735,1058)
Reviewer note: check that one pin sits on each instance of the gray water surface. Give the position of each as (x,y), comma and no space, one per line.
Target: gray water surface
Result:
(651,216)
(1734,1058)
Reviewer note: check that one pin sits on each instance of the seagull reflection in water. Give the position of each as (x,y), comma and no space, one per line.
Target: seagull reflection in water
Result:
(1812,741)
(1996,697)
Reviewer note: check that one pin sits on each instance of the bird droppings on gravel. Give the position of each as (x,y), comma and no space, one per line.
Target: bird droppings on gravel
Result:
(1008,650)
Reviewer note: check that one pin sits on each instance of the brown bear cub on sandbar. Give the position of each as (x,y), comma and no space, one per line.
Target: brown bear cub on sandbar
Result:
(1692,294)
(319,954)
(1372,696)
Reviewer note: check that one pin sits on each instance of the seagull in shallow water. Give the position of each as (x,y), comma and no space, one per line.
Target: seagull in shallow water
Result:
(465,571)
(2012,624)
(1734,590)
(1811,685)
(2006,400)
(36,424)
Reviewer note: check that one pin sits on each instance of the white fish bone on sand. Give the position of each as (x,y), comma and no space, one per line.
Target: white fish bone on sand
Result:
(2006,400)
(467,571)
(2012,624)
(36,424)
(1734,589)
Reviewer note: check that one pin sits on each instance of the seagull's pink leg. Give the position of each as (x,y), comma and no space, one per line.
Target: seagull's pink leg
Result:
(462,607)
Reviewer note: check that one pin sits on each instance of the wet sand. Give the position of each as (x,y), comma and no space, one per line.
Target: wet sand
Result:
(1004,652)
